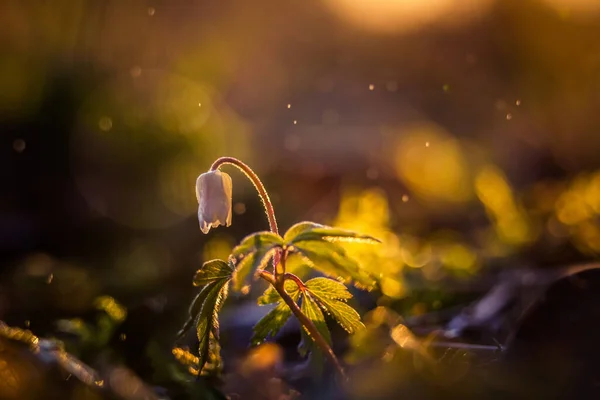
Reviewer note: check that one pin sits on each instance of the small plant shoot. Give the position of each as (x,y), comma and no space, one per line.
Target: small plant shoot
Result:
(268,256)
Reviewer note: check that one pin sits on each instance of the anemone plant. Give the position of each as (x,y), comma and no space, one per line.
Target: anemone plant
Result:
(306,243)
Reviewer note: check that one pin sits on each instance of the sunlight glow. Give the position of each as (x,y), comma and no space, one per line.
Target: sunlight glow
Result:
(511,222)
(437,172)
(579,7)
(405,15)
(368,212)
(578,208)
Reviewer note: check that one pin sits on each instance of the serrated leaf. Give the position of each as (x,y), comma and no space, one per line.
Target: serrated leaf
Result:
(271,323)
(259,240)
(328,288)
(307,344)
(346,316)
(331,259)
(196,306)
(251,262)
(337,234)
(305,231)
(271,296)
(218,305)
(298,229)
(211,271)
(275,319)
(312,311)
(207,322)
(213,365)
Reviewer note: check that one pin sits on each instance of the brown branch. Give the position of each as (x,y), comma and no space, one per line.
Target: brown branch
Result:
(305,321)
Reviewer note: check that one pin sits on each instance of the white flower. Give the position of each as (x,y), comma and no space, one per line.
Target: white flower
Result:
(213,191)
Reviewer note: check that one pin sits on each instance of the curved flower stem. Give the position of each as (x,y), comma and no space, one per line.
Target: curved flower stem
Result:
(262,193)
(304,320)
(277,280)
(264,196)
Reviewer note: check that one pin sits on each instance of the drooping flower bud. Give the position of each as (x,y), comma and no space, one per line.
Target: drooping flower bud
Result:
(213,191)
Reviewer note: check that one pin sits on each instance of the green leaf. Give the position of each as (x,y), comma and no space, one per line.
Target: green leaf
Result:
(344,315)
(328,288)
(312,311)
(331,295)
(195,307)
(331,259)
(211,271)
(251,262)
(298,229)
(214,363)
(255,252)
(307,344)
(271,296)
(271,323)
(207,322)
(275,319)
(259,240)
(204,312)
(304,231)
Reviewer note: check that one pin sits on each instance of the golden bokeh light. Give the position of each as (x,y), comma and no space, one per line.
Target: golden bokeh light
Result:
(459,257)
(436,172)
(392,287)
(405,15)
(580,8)
(109,305)
(263,357)
(580,202)
(577,209)
(572,208)
(368,212)
(218,247)
(141,143)
(587,236)
(404,337)
(511,222)
(416,253)
(176,182)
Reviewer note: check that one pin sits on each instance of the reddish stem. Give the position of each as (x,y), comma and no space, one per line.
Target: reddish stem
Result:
(296,279)
(277,280)
(304,320)
(260,188)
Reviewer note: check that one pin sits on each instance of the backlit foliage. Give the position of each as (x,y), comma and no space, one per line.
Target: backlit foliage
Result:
(368,211)
(320,247)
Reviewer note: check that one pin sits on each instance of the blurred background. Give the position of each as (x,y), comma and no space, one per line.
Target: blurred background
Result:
(464,134)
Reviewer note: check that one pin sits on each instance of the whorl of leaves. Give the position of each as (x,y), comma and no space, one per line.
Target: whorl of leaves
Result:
(319,247)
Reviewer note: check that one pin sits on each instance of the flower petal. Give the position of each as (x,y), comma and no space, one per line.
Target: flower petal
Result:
(228,192)
(214,192)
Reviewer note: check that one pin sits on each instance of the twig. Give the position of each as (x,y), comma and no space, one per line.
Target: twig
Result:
(306,322)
